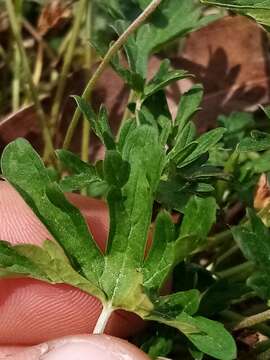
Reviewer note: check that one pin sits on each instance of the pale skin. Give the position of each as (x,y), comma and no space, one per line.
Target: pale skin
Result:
(33,312)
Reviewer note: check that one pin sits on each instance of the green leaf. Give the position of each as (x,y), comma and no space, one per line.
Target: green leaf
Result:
(200,215)
(85,176)
(189,105)
(196,355)
(23,168)
(163,78)
(74,164)
(253,240)
(171,20)
(158,345)
(266,110)
(116,170)
(220,295)
(259,10)
(128,126)
(12,262)
(47,263)
(205,143)
(156,112)
(259,141)
(95,186)
(133,205)
(160,260)
(175,304)
(238,125)
(99,124)
(206,335)
(184,145)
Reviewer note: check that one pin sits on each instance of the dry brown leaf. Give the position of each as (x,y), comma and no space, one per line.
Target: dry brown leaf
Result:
(262,194)
(230,58)
(53,15)
(109,91)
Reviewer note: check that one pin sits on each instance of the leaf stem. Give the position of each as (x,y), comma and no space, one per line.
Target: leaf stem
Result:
(16,64)
(253,320)
(219,238)
(242,269)
(33,90)
(237,318)
(103,319)
(67,63)
(227,254)
(106,60)
(88,62)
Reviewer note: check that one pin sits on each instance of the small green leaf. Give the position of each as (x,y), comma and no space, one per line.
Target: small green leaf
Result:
(74,164)
(196,355)
(116,171)
(12,262)
(189,105)
(266,110)
(175,304)
(128,126)
(99,123)
(220,295)
(171,20)
(160,260)
(238,125)
(162,78)
(84,175)
(259,141)
(253,240)
(205,143)
(184,145)
(200,215)
(208,336)
(95,186)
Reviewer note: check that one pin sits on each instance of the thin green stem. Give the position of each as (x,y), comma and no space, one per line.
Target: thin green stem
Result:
(227,254)
(236,318)
(88,61)
(16,83)
(242,270)
(16,80)
(253,320)
(67,62)
(32,89)
(220,238)
(105,62)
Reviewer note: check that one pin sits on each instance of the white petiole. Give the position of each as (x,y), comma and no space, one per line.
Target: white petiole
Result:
(103,319)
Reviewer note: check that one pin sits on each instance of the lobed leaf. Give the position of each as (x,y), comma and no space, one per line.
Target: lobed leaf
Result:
(23,168)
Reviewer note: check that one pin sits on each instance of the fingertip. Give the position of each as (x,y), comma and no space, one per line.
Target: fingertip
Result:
(102,347)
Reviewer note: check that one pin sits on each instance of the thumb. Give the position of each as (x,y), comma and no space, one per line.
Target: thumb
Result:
(83,347)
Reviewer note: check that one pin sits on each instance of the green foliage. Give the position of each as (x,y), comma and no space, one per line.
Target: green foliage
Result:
(23,168)
(82,175)
(155,164)
(122,278)
(259,10)
(253,240)
(259,141)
